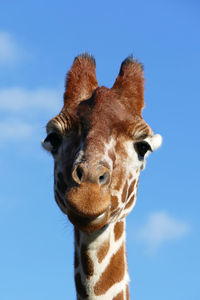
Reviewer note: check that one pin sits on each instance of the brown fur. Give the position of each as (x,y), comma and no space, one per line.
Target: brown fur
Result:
(103,250)
(87,264)
(127,292)
(113,273)
(80,82)
(112,157)
(115,202)
(129,85)
(88,200)
(119,296)
(118,230)
(119,145)
(119,181)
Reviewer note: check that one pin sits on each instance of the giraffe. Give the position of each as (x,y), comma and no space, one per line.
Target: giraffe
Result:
(99,142)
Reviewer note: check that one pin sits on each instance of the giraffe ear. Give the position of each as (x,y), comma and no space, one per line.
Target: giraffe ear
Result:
(129,85)
(80,82)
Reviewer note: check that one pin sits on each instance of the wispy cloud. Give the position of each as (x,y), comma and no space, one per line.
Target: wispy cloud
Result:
(10,51)
(17,99)
(161,228)
(21,110)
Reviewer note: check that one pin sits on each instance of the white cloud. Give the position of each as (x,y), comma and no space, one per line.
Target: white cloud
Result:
(160,228)
(10,52)
(16,99)
(21,111)
(14,129)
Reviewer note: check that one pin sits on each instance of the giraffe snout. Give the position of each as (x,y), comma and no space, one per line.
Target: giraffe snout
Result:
(88,206)
(99,175)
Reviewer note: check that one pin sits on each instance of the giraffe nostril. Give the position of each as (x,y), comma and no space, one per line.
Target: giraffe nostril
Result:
(79,173)
(103,178)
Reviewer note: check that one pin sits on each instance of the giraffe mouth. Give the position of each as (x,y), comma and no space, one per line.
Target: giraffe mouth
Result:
(99,219)
(88,206)
(88,224)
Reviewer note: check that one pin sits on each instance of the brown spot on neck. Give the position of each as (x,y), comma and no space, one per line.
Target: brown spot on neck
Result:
(118,230)
(87,264)
(103,250)
(127,292)
(113,273)
(119,296)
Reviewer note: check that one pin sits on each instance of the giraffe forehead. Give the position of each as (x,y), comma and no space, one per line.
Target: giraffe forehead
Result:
(104,114)
(107,151)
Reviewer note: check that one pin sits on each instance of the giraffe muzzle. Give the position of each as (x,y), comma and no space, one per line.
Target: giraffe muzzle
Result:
(88,206)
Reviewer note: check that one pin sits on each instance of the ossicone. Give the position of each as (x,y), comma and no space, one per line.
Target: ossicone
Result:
(80,81)
(129,85)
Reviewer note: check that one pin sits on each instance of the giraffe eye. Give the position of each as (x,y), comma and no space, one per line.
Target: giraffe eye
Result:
(52,142)
(142,148)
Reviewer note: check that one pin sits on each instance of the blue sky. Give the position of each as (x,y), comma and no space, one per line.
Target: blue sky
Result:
(38,41)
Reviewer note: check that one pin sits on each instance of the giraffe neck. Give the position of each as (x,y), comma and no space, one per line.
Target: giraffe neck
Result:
(101,264)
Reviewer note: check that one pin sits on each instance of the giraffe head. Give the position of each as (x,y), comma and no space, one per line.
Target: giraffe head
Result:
(99,142)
